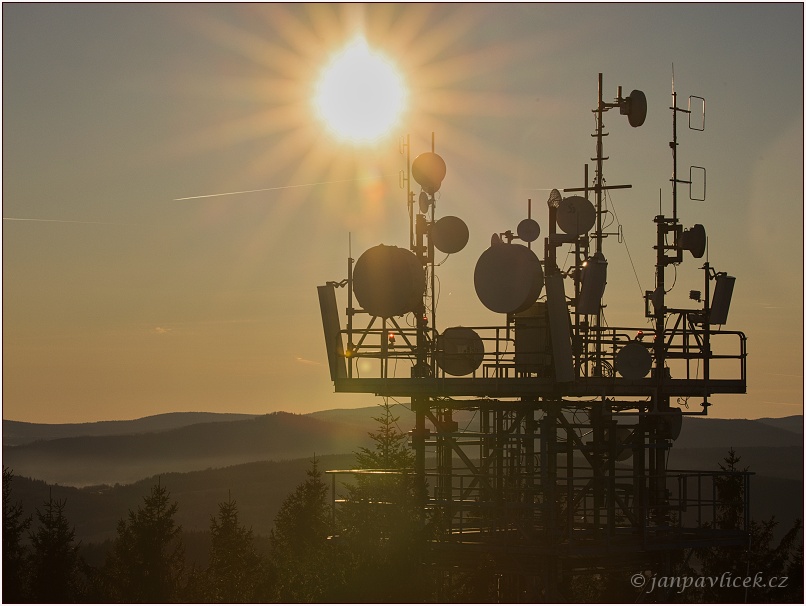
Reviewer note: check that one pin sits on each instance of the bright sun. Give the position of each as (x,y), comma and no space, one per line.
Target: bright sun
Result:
(360,95)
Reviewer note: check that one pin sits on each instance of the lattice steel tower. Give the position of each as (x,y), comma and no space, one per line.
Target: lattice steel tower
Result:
(564,468)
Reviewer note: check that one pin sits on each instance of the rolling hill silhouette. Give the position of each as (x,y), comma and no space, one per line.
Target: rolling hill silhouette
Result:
(202,457)
(126,451)
(19,432)
(125,458)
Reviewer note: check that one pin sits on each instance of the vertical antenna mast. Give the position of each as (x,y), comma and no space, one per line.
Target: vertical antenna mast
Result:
(599,161)
(673,145)
(405,182)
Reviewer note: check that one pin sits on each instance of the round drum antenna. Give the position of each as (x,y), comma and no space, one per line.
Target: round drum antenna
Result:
(428,169)
(460,351)
(633,361)
(389,281)
(693,240)
(449,234)
(508,278)
(576,215)
(528,230)
(635,108)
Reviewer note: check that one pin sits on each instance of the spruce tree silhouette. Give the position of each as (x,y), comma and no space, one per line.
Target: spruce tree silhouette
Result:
(235,568)
(147,559)
(54,560)
(14,554)
(301,553)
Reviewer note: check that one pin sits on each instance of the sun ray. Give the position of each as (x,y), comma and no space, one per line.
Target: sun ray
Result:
(278,81)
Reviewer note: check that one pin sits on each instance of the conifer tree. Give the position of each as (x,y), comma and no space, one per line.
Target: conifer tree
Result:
(761,556)
(14,554)
(390,449)
(301,554)
(381,521)
(54,561)
(235,571)
(147,558)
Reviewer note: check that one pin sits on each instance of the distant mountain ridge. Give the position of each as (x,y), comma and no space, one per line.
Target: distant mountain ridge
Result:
(791,423)
(21,432)
(124,458)
(701,432)
(113,452)
(201,456)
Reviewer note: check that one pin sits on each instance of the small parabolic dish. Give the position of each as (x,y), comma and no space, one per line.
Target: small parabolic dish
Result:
(389,281)
(460,351)
(635,108)
(576,215)
(694,241)
(449,234)
(429,169)
(633,361)
(528,230)
(495,240)
(508,278)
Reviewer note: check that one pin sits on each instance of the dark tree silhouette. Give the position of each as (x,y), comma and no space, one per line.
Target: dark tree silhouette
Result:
(301,553)
(390,449)
(235,570)
(54,560)
(14,555)
(381,522)
(761,560)
(147,558)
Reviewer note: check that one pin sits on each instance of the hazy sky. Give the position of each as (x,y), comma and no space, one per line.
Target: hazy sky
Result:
(121,301)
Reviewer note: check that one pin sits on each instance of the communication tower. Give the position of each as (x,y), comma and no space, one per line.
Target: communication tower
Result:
(564,467)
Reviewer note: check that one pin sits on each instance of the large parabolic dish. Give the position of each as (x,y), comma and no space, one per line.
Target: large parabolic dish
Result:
(389,281)
(508,278)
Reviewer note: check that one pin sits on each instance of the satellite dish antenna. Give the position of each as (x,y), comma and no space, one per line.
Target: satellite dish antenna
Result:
(528,230)
(634,107)
(428,169)
(424,202)
(633,361)
(460,351)
(389,281)
(449,234)
(576,215)
(495,240)
(693,240)
(508,278)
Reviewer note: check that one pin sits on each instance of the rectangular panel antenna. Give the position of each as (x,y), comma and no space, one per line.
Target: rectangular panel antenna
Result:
(332,328)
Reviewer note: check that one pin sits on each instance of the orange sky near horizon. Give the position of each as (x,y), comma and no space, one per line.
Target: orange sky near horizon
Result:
(127,292)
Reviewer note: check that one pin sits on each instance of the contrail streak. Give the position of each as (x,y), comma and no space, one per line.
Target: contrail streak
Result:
(252,191)
(64,221)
